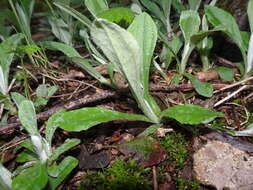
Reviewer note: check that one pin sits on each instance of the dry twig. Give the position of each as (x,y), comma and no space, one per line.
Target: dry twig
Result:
(155,183)
(232,95)
(105,94)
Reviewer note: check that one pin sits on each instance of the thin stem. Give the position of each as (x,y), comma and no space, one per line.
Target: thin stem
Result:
(231,95)
(160,70)
(169,29)
(213,2)
(51,8)
(19,21)
(205,62)
(186,54)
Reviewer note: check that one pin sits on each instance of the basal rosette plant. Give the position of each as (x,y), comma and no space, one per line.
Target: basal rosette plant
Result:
(129,52)
(39,157)
(221,18)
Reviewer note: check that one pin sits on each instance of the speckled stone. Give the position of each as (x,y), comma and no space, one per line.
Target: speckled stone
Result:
(223,166)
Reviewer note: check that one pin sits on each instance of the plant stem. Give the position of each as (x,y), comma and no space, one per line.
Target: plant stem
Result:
(205,62)
(213,2)
(188,48)
(169,29)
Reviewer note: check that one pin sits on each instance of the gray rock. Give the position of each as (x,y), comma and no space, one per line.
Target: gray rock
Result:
(223,166)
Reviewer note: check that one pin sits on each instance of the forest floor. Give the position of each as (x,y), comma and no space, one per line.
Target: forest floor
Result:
(111,155)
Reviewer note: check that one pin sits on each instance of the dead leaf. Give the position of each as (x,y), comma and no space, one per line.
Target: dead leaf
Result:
(161,132)
(93,161)
(72,74)
(145,150)
(207,75)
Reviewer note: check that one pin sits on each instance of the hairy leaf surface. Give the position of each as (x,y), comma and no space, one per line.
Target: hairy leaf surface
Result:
(191,114)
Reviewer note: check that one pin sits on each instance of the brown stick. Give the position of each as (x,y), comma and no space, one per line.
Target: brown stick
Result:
(182,87)
(225,62)
(68,106)
(155,183)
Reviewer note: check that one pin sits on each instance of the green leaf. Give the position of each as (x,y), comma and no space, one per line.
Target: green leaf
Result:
(64,169)
(250,14)
(191,114)
(225,73)
(24,11)
(178,5)
(154,9)
(170,50)
(28,6)
(30,49)
(36,173)
(166,6)
(150,130)
(65,2)
(91,47)
(77,15)
(189,23)
(26,156)
(119,15)
(51,90)
(45,91)
(41,90)
(250,56)
(194,4)
(40,103)
(52,125)
(53,170)
(61,30)
(64,48)
(17,98)
(5,15)
(85,118)
(144,30)
(96,6)
(5,178)
(221,18)
(200,36)
(245,38)
(6,57)
(69,143)
(123,51)
(176,79)
(27,117)
(26,144)
(202,88)
(240,67)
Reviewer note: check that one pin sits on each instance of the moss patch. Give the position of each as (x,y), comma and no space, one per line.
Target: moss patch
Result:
(122,175)
(183,184)
(175,145)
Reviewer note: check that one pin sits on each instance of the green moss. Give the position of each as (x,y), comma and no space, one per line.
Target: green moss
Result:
(122,175)
(183,184)
(175,145)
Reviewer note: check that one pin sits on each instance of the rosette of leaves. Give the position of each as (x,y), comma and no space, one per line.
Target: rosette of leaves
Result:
(39,157)
(220,17)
